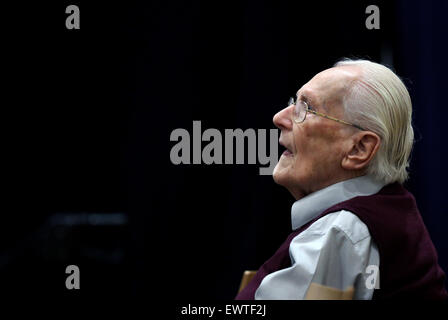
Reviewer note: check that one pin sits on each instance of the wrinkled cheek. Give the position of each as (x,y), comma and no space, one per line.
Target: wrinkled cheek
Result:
(303,136)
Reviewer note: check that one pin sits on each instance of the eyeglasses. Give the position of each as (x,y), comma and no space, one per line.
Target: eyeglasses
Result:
(301,108)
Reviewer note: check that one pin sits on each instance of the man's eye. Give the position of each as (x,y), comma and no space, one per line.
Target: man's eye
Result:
(310,108)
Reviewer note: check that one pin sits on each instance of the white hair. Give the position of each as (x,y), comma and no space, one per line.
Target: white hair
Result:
(379,102)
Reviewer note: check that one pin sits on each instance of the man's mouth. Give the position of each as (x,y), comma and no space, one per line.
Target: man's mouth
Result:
(287,152)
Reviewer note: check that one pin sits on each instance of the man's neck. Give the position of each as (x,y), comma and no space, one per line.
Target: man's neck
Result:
(300,193)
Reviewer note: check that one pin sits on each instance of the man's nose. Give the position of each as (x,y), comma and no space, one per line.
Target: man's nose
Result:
(282,119)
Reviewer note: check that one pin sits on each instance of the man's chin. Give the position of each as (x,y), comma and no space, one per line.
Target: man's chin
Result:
(279,174)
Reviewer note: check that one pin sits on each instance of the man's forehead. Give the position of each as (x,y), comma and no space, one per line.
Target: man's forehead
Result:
(328,83)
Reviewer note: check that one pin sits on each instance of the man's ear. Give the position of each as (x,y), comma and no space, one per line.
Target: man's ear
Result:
(364,146)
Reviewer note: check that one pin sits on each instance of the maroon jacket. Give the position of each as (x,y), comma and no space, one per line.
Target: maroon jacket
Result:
(408,259)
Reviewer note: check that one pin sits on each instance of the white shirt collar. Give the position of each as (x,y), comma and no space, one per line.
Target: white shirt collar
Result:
(309,207)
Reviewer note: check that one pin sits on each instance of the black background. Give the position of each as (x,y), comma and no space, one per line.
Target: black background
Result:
(88,115)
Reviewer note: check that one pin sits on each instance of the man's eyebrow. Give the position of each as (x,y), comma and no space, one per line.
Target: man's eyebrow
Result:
(312,102)
(306,97)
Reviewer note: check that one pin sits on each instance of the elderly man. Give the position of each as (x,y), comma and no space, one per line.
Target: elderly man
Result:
(357,232)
